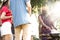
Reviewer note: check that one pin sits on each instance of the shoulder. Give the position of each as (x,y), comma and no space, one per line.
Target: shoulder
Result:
(39,16)
(4,7)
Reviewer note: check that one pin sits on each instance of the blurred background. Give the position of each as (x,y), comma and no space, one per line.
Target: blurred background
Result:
(53,7)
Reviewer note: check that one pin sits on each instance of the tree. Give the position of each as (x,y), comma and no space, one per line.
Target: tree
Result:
(38,2)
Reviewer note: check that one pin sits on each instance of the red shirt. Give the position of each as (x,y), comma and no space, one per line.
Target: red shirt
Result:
(8,13)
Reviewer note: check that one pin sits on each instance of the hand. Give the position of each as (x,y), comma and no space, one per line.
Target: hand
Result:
(10,16)
(30,14)
(49,28)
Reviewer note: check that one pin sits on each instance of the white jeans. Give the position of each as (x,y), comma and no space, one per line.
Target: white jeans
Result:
(6,28)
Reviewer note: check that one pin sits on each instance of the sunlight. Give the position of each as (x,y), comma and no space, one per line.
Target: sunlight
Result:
(55,10)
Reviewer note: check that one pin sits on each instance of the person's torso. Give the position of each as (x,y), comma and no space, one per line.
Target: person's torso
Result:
(18,7)
(8,13)
(19,12)
(47,20)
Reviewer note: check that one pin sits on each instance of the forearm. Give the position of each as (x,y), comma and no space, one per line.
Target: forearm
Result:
(29,10)
(54,27)
(28,7)
(45,25)
(6,17)
(40,19)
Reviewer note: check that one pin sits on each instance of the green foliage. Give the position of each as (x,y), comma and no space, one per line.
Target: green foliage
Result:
(38,3)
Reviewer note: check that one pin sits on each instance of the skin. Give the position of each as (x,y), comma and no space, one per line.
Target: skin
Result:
(40,19)
(28,7)
(5,17)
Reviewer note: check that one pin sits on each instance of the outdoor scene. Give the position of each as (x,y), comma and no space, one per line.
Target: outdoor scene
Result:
(44,20)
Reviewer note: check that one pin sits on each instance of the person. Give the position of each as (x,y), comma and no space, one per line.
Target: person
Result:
(0,20)
(21,10)
(6,16)
(47,23)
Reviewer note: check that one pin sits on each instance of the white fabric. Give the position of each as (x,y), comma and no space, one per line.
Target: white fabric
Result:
(6,28)
(53,31)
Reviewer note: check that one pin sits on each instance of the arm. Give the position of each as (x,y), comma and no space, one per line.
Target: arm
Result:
(9,3)
(5,17)
(53,27)
(52,24)
(28,7)
(40,19)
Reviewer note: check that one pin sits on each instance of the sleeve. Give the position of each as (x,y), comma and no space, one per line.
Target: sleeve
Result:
(4,9)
